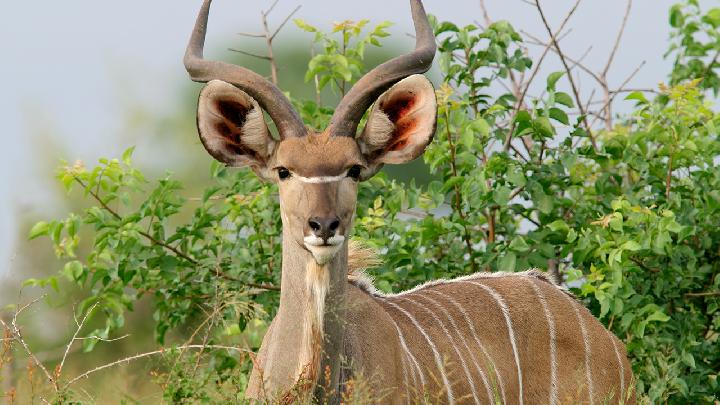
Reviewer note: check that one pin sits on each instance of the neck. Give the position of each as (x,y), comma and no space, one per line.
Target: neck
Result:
(311,309)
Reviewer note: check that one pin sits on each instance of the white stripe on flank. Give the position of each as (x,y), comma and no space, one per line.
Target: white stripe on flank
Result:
(622,367)
(452,340)
(588,371)
(403,361)
(438,360)
(506,313)
(477,340)
(551,332)
(320,179)
(472,355)
(409,355)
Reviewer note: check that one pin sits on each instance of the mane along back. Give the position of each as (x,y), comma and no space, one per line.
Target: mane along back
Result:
(362,257)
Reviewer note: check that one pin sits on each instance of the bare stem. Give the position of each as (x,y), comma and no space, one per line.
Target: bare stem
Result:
(80,325)
(17,336)
(555,43)
(148,354)
(536,69)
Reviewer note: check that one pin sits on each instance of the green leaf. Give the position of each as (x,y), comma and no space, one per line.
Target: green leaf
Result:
(73,270)
(304,26)
(507,262)
(39,229)
(127,155)
(518,244)
(543,127)
(658,316)
(638,96)
(631,245)
(564,99)
(501,195)
(712,17)
(516,177)
(558,226)
(676,17)
(559,115)
(553,78)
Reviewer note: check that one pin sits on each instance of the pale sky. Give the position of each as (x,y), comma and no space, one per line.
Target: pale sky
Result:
(71,67)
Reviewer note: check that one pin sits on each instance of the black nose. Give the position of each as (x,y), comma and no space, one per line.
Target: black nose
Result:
(324,227)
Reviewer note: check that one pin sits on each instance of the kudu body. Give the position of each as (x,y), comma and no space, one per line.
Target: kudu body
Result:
(487,337)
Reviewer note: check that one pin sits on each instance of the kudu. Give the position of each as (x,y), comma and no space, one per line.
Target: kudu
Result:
(487,337)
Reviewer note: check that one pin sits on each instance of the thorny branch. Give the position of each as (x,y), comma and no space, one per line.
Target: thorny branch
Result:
(17,336)
(152,353)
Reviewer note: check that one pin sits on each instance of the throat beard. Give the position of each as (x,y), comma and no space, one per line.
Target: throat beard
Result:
(317,283)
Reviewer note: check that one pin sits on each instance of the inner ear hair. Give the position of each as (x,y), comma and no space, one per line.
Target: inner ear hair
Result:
(401,123)
(232,126)
(378,131)
(255,132)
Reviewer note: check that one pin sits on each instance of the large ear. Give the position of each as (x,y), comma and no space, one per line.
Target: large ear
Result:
(232,127)
(401,123)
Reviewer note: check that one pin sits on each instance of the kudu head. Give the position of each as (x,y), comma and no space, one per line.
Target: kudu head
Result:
(317,173)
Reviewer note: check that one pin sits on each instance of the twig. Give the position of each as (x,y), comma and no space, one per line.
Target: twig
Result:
(486,16)
(617,39)
(643,265)
(148,354)
(536,69)
(458,198)
(709,67)
(703,294)
(17,335)
(247,34)
(269,37)
(269,10)
(80,324)
(576,62)
(616,92)
(254,55)
(282,24)
(569,74)
(668,178)
(634,90)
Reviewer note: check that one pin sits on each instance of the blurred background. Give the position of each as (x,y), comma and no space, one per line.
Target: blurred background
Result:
(88,79)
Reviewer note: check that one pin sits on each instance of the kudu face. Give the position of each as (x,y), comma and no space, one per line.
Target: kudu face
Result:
(317,173)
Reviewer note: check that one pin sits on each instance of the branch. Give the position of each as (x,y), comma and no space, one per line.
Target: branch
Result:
(536,69)
(614,93)
(485,14)
(618,38)
(282,24)
(17,336)
(69,345)
(703,294)
(569,74)
(709,67)
(643,265)
(254,55)
(576,62)
(148,354)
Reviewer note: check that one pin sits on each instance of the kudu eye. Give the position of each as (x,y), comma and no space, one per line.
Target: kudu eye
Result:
(283,173)
(354,172)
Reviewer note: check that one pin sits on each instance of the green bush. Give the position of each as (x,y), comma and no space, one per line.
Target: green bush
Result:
(625,213)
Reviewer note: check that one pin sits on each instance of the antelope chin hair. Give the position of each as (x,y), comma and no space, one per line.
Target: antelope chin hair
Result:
(323,252)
